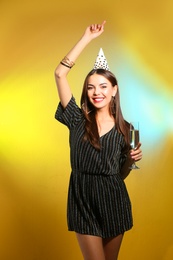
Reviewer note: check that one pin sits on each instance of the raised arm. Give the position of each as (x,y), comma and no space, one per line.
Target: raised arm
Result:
(62,70)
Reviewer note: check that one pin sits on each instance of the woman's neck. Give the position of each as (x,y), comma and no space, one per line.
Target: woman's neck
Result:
(104,115)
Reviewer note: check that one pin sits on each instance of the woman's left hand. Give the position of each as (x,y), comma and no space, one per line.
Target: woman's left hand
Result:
(94,30)
(136,154)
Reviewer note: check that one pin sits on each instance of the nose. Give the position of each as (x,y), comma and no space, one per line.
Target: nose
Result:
(96,91)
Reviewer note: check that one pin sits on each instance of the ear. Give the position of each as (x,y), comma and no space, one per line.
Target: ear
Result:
(114,91)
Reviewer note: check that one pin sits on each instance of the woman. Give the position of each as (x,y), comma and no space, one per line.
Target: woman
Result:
(99,209)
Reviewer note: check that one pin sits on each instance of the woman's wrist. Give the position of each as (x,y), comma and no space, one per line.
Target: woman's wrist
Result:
(86,39)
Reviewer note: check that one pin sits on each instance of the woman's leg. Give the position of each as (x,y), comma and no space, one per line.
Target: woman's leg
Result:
(91,247)
(111,247)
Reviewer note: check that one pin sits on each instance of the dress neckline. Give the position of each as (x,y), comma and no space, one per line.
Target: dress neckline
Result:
(107,132)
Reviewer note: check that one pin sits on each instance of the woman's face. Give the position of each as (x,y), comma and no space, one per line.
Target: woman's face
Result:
(100,91)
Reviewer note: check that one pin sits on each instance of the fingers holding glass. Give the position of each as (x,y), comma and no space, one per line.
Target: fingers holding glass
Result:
(134,140)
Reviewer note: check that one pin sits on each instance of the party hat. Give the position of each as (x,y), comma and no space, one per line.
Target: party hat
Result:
(101,62)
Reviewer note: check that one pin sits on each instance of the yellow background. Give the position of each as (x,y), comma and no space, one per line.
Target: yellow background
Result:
(34,151)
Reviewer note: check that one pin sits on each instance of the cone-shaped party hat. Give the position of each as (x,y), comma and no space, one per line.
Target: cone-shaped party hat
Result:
(101,62)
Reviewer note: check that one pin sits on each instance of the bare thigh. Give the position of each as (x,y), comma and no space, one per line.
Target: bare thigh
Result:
(111,247)
(91,247)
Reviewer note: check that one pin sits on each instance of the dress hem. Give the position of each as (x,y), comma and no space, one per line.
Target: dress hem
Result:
(101,235)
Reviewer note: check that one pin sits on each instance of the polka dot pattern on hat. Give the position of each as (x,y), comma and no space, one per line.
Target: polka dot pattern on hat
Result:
(101,62)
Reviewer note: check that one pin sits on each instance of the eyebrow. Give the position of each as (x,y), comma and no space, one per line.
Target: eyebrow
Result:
(89,84)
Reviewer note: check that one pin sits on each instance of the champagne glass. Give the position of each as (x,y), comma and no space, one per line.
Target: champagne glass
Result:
(134,139)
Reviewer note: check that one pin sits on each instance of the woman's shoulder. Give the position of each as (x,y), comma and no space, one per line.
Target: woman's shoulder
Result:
(70,115)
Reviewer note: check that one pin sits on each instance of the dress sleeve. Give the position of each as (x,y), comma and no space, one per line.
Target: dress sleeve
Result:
(71,115)
(123,158)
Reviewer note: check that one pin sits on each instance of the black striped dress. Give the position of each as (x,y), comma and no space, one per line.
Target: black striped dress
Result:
(98,202)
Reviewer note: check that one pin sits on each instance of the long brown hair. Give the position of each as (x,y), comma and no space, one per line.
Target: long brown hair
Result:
(91,129)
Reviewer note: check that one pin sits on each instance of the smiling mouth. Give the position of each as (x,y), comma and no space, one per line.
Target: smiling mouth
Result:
(98,99)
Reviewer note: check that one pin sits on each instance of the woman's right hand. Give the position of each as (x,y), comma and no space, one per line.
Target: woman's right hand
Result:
(94,30)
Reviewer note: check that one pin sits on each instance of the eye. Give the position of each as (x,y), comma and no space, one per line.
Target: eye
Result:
(103,86)
(89,87)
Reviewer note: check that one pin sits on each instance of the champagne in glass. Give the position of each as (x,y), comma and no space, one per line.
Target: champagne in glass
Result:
(134,139)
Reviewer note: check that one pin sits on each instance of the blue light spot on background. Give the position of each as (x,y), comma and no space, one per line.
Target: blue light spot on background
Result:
(145,98)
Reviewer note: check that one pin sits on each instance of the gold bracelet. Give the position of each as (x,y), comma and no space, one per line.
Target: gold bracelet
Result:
(65,65)
(66,61)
